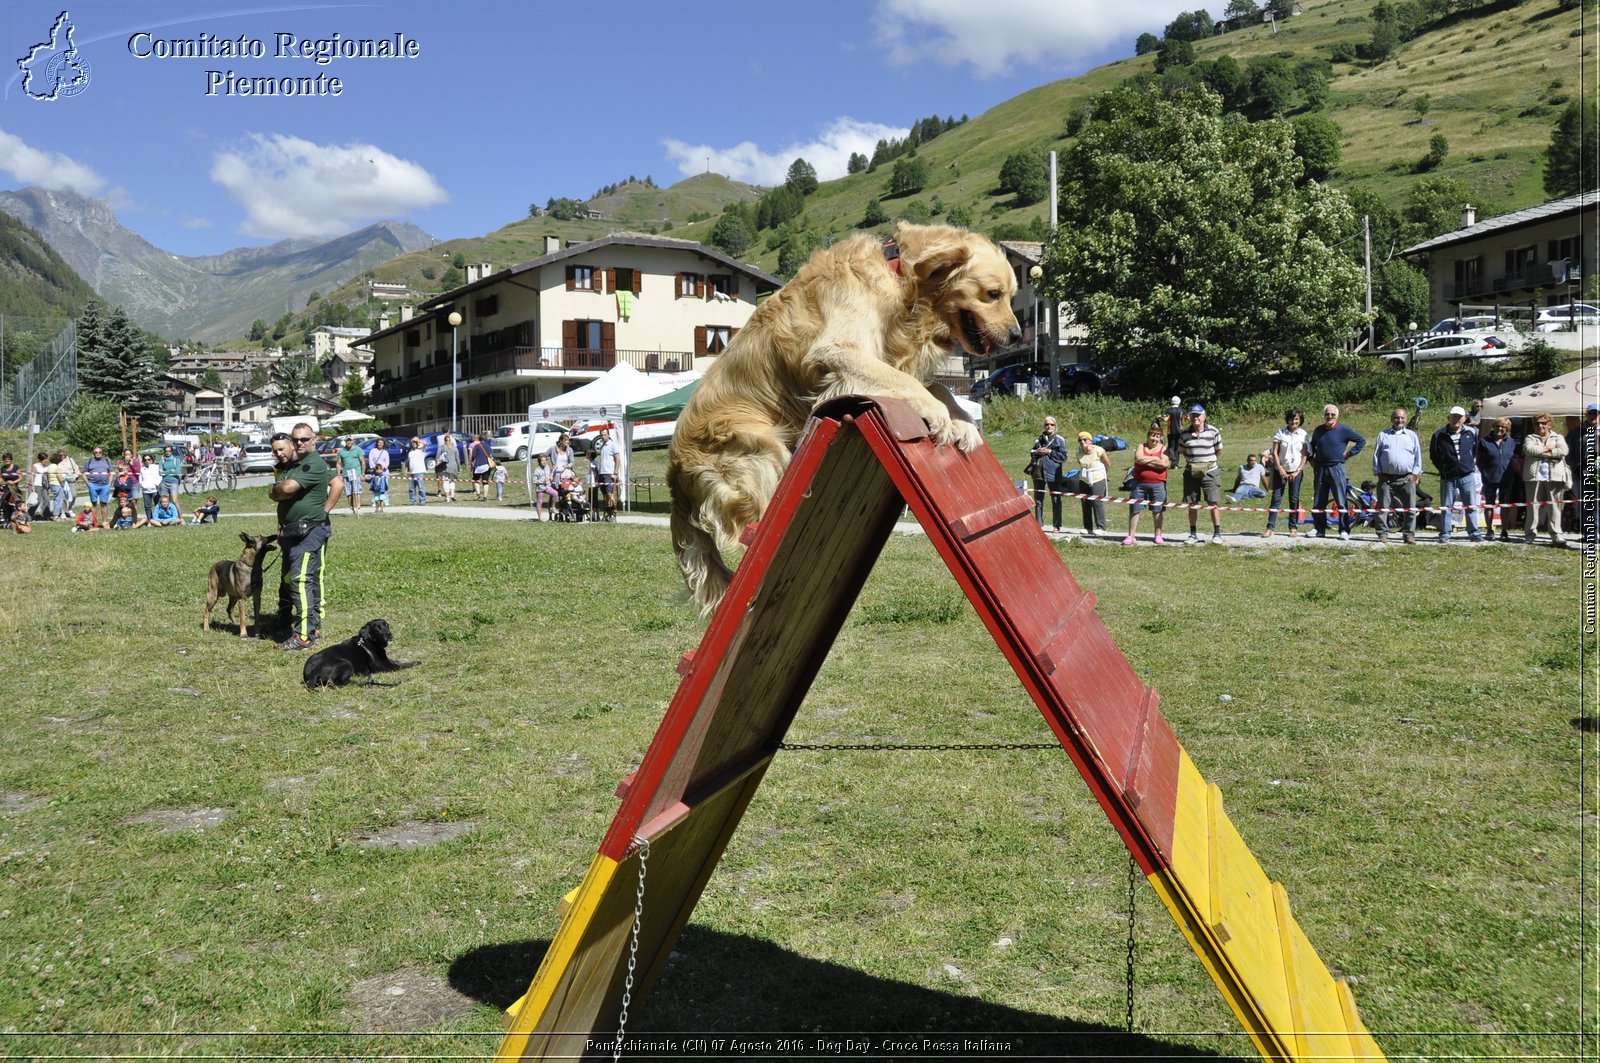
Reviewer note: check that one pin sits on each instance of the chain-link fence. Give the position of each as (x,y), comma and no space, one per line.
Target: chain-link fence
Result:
(45,386)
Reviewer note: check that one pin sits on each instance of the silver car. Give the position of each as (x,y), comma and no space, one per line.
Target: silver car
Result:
(1489,350)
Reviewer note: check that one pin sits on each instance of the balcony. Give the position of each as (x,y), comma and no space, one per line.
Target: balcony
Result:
(529,362)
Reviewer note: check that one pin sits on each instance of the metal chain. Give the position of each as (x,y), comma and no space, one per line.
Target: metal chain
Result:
(633,950)
(1133,888)
(850,747)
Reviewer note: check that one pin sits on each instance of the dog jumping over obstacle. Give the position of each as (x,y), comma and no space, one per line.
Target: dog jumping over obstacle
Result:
(239,579)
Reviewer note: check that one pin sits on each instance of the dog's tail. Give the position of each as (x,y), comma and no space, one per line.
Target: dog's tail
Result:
(701,563)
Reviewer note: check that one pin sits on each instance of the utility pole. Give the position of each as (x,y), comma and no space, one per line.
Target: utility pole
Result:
(1055,345)
(1366,239)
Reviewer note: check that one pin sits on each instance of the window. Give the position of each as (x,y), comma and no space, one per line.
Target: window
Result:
(413,338)
(722,284)
(713,339)
(580,279)
(488,306)
(625,279)
(587,335)
(1469,275)
(691,284)
(588,344)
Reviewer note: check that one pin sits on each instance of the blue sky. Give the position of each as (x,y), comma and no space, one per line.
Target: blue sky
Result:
(502,104)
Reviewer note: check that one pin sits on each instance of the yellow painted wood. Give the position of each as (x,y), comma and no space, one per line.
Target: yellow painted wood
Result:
(1362,1046)
(1320,1027)
(1191,832)
(1243,918)
(527,1011)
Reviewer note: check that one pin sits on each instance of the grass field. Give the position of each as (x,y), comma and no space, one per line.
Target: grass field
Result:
(202,858)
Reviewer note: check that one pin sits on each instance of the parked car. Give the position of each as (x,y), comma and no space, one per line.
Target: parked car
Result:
(1486,323)
(645,434)
(395,445)
(257,457)
(1489,350)
(514,442)
(1566,317)
(1076,378)
(430,446)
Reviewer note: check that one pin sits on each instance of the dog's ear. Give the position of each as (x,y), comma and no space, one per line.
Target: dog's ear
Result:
(933,253)
(246,537)
(270,539)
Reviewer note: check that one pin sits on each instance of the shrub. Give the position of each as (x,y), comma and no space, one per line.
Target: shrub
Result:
(1541,361)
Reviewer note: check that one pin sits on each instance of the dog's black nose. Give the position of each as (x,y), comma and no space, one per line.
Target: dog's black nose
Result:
(1014,336)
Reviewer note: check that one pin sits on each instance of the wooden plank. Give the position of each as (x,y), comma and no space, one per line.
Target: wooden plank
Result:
(1150,781)
(1319,1021)
(1243,919)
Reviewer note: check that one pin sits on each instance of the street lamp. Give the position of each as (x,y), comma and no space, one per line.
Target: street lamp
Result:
(455,322)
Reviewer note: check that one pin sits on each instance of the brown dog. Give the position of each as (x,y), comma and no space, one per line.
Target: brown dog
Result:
(238,579)
(854,321)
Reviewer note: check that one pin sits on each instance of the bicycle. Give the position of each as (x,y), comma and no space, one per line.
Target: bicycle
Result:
(216,476)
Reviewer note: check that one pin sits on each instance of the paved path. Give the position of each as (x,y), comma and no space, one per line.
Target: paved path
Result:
(1364,540)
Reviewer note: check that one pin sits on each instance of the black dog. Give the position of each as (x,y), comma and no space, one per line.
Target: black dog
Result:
(366,654)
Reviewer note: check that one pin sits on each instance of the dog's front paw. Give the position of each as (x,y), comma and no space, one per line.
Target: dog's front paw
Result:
(963,434)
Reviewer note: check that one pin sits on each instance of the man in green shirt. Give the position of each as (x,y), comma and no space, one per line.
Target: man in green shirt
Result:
(306,493)
(350,472)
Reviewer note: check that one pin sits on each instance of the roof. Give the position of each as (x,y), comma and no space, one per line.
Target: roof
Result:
(1517,219)
(1028,250)
(340,330)
(432,306)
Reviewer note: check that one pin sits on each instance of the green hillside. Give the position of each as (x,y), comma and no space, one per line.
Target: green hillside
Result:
(1493,78)
(34,281)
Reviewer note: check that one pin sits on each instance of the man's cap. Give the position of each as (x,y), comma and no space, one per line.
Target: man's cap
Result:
(1197,409)
(1175,401)
(1591,408)
(1457,411)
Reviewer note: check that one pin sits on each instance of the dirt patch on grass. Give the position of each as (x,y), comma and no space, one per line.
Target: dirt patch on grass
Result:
(404,1000)
(16,802)
(176,819)
(415,835)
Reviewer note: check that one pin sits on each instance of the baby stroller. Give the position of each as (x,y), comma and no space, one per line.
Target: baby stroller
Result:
(571,505)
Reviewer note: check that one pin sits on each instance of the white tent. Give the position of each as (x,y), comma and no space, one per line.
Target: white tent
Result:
(607,399)
(1562,396)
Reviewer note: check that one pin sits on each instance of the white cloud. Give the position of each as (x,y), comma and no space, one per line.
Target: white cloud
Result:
(829,153)
(996,36)
(290,187)
(196,223)
(46,169)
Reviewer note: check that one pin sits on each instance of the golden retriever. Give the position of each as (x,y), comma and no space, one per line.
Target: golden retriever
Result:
(853,321)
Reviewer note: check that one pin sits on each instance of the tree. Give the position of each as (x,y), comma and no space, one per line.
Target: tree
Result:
(857,164)
(353,395)
(259,377)
(115,364)
(1174,52)
(802,178)
(313,297)
(732,234)
(1027,174)
(92,422)
(1573,143)
(1432,208)
(910,175)
(1190,26)
(291,375)
(959,216)
(875,214)
(1146,43)
(1272,86)
(258,330)
(1438,148)
(1190,247)
(1316,141)
(211,378)
(1246,10)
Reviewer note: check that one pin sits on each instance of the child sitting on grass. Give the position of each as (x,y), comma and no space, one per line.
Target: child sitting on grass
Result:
(86,520)
(209,511)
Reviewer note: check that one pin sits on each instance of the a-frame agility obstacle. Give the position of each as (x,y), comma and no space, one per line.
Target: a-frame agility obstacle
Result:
(859,463)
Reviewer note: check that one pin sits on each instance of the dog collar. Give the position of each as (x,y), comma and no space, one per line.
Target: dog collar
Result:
(891,254)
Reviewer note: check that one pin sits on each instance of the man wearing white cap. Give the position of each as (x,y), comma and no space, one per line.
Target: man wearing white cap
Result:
(1452,451)
(1174,425)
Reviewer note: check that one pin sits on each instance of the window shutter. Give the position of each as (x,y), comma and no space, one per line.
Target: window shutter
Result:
(572,279)
(569,334)
(699,340)
(699,287)
(637,274)
(732,332)
(611,279)
(608,335)
(677,285)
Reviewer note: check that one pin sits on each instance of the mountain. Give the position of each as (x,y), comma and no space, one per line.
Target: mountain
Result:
(36,282)
(209,297)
